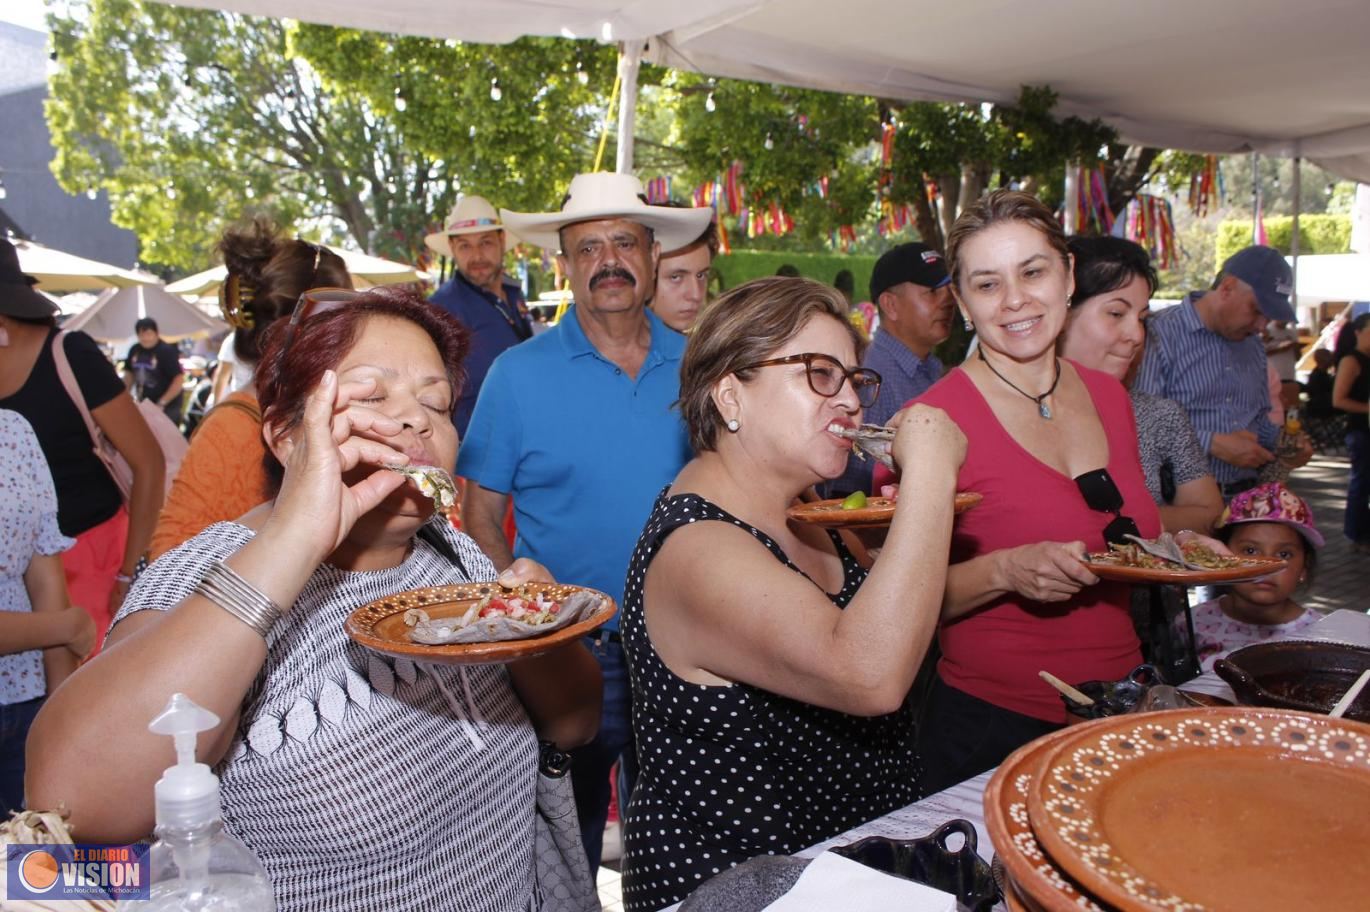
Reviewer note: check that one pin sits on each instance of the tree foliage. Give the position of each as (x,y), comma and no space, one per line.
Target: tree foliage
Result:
(192,119)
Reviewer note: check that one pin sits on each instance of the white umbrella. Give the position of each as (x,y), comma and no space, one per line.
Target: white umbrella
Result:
(366,271)
(59,272)
(112,316)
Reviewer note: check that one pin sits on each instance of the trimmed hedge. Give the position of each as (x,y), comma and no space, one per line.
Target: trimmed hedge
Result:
(1317,234)
(743,265)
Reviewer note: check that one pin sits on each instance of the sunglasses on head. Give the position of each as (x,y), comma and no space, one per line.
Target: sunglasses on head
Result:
(1102,494)
(315,301)
(826,376)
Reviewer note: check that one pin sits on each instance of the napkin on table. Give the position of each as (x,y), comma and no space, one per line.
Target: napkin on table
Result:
(833,883)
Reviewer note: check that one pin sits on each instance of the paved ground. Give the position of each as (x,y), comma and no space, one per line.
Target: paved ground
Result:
(1343,575)
(1342,581)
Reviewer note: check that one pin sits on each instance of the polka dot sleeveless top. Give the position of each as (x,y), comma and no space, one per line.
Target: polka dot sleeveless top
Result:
(731,772)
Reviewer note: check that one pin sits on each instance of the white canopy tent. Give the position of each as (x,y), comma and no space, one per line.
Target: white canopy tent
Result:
(1221,76)
(59,272)
(366,271)
(116,310)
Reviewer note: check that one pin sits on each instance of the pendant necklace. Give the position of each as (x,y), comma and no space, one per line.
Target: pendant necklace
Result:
(1042,408)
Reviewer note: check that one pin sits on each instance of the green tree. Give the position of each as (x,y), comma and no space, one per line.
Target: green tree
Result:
(192,119)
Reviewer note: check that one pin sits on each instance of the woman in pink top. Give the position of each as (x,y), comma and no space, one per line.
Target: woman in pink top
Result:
(1053,448)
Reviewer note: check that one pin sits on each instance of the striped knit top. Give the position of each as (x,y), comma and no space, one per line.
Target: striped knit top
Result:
(363,782)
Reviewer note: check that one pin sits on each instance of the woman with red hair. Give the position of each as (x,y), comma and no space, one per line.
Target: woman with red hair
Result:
(325,747)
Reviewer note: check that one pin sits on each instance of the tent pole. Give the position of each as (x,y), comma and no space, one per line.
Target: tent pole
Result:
(1294,230)
(629,61)
(1255,197)
(1072,203)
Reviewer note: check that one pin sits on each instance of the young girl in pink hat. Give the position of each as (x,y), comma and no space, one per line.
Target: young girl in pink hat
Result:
(1266,521)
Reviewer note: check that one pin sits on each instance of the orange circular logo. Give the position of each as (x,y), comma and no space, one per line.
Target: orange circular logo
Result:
(38,871)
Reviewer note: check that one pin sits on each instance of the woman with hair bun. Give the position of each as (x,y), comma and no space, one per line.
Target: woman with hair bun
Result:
(222,476)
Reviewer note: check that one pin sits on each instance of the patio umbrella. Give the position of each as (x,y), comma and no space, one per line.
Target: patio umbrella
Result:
(366,271)
(61,272)
(112,316)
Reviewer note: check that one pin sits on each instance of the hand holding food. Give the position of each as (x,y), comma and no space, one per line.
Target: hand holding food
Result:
(1047,571)
(316,508)
(927,438)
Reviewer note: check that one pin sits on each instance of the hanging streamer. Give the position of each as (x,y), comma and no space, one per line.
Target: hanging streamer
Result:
(1206,190)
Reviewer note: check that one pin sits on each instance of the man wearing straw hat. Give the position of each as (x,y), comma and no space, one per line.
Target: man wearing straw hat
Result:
(478,294)
(577,426)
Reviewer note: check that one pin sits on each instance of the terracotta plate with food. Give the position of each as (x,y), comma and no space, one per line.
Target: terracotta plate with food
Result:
(478,623)
(1139,562)
(1252,809)
(874,512)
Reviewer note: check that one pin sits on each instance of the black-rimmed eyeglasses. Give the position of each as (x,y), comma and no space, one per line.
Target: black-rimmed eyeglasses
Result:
(1101,493)
(826,376)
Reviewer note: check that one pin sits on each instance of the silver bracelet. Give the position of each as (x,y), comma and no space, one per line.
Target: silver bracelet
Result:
(224,587)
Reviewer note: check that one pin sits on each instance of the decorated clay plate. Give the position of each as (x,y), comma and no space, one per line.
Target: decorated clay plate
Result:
(878,511)
(380,625)
(1039,882)
(1106,567)
(1244,809)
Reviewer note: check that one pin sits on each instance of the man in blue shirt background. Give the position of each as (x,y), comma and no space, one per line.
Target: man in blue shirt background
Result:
(577,426)
(912,290)
(1206,353)
(478,294)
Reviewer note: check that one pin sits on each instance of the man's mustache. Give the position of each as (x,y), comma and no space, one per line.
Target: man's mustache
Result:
(612,272)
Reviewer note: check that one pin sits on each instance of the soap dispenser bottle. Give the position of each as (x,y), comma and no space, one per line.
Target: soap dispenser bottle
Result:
(194,865)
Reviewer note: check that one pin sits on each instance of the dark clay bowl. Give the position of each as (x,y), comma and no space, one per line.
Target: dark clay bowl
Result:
(1308,676)
(1113,698)
(756,883)
(962,873)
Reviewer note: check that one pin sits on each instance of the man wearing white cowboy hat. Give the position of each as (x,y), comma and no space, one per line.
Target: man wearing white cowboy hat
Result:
(576,424)
(478,295)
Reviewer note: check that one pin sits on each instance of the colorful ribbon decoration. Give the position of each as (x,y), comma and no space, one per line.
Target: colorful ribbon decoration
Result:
(1149,222)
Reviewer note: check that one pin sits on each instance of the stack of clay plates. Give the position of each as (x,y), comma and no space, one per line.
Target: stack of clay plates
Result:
(1186,810)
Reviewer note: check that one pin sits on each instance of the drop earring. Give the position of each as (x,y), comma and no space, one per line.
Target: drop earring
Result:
(733,425)
(970,324)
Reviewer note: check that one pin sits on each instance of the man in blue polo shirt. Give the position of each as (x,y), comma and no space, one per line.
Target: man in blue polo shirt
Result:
(478,294)
(1206,354)
(577,426)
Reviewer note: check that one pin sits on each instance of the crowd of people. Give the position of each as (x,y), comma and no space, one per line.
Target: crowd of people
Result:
(767,684)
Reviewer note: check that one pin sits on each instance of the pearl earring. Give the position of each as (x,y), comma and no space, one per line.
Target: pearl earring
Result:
(970,324)
(733,425)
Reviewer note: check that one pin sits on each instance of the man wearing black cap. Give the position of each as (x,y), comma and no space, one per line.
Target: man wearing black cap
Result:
(912,290)
(1207,355)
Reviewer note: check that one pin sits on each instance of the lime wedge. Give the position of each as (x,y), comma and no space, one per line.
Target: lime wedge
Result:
(855,501)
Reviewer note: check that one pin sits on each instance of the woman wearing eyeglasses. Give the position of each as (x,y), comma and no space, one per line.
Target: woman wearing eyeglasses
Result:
(1052,447)
(769,670)
(358,781)
(221,477)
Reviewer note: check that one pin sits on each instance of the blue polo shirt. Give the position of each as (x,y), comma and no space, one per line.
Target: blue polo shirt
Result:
(583,448)
(494,325)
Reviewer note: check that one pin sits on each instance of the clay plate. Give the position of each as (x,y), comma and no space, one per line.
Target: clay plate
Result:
(1183,810)
(1251,568)
(1039,882)
(379,625)
(878,512)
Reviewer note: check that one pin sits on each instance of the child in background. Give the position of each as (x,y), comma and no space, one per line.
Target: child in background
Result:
(1266,521)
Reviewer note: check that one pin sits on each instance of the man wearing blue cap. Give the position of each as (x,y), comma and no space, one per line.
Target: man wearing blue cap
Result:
(912,290)
(1207,355)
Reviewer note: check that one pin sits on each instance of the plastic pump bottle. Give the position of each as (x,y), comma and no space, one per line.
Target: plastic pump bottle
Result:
(195,865)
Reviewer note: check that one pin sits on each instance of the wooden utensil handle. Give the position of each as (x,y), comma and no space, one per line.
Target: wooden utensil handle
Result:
(1075,696)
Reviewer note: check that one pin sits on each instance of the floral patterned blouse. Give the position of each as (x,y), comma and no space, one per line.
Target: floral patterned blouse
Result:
(28,526)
